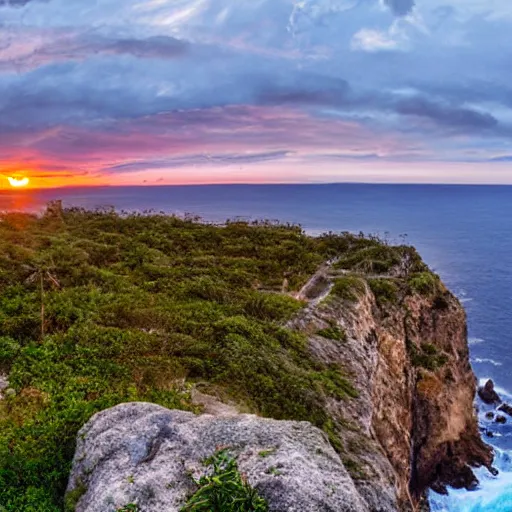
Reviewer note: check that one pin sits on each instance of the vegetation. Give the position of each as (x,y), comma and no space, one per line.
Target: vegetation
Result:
(348,287)
(224,489)
(98,308)
(426,356)
(425,283)
(376,257)
(385,290)
(333,333)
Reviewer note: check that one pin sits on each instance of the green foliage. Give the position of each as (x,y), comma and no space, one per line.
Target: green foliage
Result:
(426,356)
(385,291)
(424,283)
(348,288)
(73,497)
(9,349)
(131,507)
(333,333)
(224,489)
(376,257)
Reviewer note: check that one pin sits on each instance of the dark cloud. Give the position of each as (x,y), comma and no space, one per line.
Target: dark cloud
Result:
(199,159)
(67,46)
(305,89)
(17,3)
(446,115)
(162,47)
(400,7)
(505,158)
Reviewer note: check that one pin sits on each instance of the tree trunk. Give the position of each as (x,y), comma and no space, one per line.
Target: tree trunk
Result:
(42,305)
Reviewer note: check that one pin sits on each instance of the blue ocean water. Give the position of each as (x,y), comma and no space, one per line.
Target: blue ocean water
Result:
(463,232)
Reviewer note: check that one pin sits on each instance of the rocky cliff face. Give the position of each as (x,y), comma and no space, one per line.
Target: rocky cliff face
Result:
(413,425)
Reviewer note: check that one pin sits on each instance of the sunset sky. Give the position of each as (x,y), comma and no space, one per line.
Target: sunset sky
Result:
(208,91)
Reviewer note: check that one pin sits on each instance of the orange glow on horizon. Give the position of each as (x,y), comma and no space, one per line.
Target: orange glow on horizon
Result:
(18,182)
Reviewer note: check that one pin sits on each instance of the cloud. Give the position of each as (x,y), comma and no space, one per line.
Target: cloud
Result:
(446,114)
(46,47)
(374,41)
(17,3)
(198,160)
(400,7)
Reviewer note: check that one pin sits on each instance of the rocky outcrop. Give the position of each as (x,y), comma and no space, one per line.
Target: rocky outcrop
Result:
(487,393)
(146,455)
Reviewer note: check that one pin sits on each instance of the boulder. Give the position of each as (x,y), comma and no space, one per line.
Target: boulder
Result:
(506,408)
(500,419)
(144,454)
(488,394)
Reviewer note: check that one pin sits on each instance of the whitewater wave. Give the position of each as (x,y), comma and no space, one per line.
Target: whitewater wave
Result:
(485,360)
(475,341)
(494,494)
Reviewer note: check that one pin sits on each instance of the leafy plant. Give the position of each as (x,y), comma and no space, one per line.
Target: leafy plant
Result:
(224,489)
(333,333)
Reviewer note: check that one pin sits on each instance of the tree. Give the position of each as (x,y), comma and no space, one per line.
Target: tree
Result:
(41,273)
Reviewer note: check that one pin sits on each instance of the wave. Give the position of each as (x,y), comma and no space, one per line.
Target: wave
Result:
(494,494)
(486,360)
(475,341)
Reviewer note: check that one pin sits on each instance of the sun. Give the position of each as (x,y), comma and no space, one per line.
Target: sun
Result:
(18,182)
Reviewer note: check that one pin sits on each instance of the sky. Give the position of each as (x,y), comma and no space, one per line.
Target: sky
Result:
(117,92)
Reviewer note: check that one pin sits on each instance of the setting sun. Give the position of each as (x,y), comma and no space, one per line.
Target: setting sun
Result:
(18,182)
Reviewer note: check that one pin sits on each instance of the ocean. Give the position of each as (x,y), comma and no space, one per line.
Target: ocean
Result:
(463,232)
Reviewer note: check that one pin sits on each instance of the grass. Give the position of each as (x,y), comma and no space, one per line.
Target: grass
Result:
(224,489)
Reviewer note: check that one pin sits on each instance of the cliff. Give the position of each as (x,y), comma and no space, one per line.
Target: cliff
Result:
(411,426)
(406,350)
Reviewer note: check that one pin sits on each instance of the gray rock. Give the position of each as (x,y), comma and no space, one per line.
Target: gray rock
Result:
(145,454)
(4,384)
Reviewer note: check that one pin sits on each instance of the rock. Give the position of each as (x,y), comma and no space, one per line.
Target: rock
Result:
(145,454)
(4,384)
(489,415)
(500,419)
(488,394)
(506,408)
(489,433)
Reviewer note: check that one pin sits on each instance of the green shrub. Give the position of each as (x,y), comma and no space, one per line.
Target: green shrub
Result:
(9,349)
(333,333)
(348,288)
(380,258)
(385,291)
(427,356)
(224,489)
(424,283)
